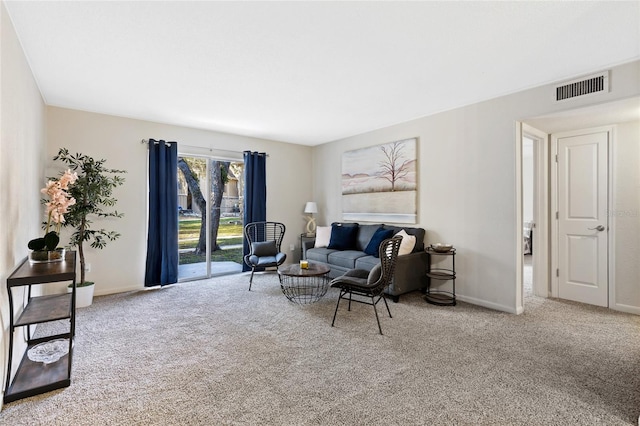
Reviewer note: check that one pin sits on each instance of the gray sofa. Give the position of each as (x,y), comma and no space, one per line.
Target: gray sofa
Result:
(410,272)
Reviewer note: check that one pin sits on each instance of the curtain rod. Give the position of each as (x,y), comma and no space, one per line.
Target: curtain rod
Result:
(145,141)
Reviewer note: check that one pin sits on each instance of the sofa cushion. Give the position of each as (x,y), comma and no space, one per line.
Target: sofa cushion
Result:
(345,258)
(343,237)
(320,254)
(367,262)
(374,244)
(365,232)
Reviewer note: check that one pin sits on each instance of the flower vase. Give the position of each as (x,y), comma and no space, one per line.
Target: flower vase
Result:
(47,256)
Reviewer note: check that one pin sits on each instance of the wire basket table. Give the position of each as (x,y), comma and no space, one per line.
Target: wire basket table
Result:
(304,286)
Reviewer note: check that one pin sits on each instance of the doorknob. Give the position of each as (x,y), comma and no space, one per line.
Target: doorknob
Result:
(598,228)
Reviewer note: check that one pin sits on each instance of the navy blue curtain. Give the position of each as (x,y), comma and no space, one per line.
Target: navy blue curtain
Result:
(255,193)
(162,239)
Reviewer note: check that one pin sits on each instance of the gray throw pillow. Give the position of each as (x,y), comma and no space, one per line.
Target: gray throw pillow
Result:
(265,248)
(374,274)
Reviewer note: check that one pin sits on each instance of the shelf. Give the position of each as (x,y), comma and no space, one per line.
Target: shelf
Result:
(33,378)
(40,273)
(443,274)
(45,308)
(442,298)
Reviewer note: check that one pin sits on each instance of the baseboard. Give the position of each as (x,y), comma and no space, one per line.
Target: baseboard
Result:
(112,290)
(626,308)
(487,304)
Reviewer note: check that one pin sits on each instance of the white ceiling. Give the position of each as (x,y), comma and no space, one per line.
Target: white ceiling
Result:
(310,72)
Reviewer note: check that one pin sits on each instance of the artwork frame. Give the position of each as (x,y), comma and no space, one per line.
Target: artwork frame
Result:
(380,183)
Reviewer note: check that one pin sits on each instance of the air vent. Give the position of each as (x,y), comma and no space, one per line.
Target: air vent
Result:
(590,85)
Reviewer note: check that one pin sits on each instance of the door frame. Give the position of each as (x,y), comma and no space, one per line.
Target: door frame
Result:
(540,254)
(610,202)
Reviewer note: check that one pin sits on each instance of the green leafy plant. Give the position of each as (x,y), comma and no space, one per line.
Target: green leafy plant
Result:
(93,192)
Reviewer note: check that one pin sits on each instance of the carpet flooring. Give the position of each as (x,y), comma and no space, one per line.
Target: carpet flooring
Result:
(210,352)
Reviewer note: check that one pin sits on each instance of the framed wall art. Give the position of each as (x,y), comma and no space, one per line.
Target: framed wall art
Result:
(379,183)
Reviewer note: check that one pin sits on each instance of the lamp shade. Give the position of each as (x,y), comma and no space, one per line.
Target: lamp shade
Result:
(311,207)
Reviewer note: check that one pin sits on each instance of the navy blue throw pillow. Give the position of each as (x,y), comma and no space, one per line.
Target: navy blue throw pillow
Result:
(374,244)
(343,237)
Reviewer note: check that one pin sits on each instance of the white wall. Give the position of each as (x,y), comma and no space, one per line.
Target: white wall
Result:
(467,196)
(22,140)
(120,266)
(626,214)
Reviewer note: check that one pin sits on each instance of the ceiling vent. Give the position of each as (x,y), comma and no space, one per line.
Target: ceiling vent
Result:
(589,85)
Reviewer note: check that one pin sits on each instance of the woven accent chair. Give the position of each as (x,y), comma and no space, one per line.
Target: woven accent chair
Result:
(370,284)
(264,240)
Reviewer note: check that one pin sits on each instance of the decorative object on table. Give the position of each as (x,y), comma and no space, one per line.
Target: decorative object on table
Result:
(304,264)
(93,192)
(441,248)
(45,249)
(310,208)
(49,352)
(264,240)
(370,284)
(379,183)
(441,297)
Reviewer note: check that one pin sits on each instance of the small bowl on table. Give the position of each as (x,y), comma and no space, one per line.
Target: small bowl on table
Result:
(441,248)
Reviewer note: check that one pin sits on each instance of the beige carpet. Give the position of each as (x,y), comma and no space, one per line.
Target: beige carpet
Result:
(210,352)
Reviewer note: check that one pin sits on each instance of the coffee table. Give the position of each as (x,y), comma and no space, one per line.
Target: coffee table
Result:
(304,286)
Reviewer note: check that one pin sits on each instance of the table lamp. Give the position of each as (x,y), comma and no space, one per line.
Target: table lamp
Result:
(311,208)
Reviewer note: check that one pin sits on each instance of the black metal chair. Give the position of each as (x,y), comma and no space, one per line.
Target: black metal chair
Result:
(264,239)
(370,284)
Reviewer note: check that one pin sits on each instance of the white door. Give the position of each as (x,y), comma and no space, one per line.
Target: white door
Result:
(582,216)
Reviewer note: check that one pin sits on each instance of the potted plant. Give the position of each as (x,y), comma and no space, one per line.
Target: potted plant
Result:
(93,193)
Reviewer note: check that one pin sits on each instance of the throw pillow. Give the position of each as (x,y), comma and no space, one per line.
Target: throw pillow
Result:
(374,274)
(343,237)
(407,244)
(374,244)
(265,248)
(323,236)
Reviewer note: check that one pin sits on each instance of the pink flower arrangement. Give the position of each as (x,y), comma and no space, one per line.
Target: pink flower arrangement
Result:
(59,199)
(55,209)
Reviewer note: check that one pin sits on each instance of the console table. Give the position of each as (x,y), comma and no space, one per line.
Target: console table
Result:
(33,378)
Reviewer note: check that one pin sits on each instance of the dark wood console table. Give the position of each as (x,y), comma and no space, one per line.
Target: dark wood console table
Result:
(33,378)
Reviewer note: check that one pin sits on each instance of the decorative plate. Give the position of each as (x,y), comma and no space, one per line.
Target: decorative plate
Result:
(48,352)
(441,248)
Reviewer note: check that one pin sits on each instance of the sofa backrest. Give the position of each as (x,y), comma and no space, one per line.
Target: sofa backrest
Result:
(365,232)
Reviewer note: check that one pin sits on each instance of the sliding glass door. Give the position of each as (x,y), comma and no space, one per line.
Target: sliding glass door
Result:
(210,216)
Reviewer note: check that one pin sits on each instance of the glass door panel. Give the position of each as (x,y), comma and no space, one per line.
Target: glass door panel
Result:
(210,227)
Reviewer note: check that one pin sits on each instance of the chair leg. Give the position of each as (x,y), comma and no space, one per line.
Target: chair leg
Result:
(373,302)
(387,305)
(336,311)
(251,279)
(350,294)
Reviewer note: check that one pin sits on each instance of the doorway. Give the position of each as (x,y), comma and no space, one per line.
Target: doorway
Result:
(533,218)
(210,228)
